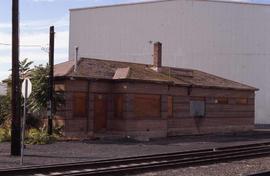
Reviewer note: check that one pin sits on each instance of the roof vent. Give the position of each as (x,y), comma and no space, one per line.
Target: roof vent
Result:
(121,73)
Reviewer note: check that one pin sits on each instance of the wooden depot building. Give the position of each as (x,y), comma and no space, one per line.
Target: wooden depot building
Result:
(131,99)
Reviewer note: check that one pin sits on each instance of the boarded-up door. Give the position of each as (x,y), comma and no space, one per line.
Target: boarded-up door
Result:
(100,113)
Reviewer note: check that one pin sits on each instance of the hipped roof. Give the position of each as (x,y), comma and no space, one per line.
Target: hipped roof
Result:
(110,70)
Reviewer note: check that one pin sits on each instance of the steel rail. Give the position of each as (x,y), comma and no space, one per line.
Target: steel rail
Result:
(264,173)
(192,161)
(173,159)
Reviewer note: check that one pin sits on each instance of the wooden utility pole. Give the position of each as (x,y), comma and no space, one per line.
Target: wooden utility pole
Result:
(51,82)
(16,91)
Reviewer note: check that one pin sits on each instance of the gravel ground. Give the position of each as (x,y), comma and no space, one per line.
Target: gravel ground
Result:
(63,152)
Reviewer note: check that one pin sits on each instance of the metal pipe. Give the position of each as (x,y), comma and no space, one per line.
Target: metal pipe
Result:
(76,58)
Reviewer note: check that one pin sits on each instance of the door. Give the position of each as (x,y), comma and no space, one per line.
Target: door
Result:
(100,113)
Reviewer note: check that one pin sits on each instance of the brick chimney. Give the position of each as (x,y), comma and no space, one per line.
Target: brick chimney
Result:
(157,56)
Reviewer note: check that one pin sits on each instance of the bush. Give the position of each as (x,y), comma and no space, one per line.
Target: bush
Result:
(5,134)
(58,130)
(4,109)
(39,136)
(32,121)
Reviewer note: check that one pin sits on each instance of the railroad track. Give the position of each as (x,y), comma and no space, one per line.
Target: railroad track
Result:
(121,166)
(266,173)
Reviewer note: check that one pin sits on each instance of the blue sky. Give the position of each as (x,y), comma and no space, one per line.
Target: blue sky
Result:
(35,18)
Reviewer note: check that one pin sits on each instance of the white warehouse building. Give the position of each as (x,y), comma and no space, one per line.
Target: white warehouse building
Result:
(229,39)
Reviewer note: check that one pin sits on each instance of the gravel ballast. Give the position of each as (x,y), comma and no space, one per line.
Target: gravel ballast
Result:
(64,152)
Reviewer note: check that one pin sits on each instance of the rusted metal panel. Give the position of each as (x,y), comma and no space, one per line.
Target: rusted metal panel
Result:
(147,106)
(79,104)
(100,112)
(118,101)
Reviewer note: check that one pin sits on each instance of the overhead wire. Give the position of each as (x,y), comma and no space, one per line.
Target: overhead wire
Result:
(8,44)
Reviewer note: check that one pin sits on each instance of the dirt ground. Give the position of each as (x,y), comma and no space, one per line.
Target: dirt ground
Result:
(64,152)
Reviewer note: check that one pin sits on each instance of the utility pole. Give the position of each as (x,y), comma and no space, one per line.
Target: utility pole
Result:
(51,82)
(16,93)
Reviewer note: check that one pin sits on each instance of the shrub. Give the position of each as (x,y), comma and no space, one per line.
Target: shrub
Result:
(5,134)
(58,130)
(32,121)
(39,136)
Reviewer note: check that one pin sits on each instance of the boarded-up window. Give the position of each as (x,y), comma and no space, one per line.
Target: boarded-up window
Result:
(79,104)
(170,106)
(147,106)
(197,108)
(118,106)
(221,100)
(242,101)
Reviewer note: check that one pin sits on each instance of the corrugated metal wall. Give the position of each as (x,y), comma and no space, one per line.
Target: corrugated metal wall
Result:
(231,40)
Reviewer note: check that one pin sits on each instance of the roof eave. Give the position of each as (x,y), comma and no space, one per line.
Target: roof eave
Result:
(226,88)
(152,81)
(117,80)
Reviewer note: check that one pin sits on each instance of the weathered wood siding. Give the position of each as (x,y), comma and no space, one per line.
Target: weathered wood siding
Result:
(228,117)
(173,117)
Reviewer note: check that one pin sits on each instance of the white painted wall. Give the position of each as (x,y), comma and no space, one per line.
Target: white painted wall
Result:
(231,40)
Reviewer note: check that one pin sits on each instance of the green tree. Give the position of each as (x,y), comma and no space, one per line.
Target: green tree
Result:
(5,106)
(40,94)
(39,97)
(37,102)
(25,66)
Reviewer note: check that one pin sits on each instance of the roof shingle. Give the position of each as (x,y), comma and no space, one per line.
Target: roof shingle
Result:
(105,69)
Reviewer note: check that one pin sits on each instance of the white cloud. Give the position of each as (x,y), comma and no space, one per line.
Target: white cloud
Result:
(238,0)
(34,33)
(36,39)
(96,1)
(35,25)
(4,74)
(5,59)
(43,0)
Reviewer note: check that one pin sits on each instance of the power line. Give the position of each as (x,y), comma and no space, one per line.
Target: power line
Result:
(8,44)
